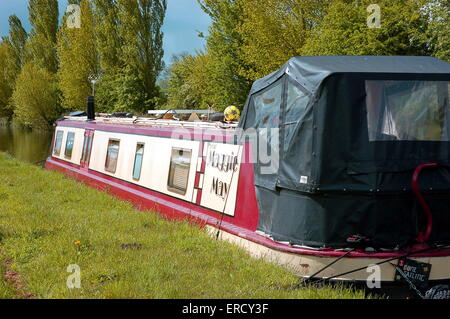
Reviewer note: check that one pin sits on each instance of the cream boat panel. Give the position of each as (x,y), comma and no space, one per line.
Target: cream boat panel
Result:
(155,164)
(221,178)
(77,144)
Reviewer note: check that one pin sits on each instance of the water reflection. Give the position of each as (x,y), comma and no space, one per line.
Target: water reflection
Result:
(25,145)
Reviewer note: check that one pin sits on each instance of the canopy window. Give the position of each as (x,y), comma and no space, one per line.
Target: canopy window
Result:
(296,108)
(263,116)
(408,110)
(268,106)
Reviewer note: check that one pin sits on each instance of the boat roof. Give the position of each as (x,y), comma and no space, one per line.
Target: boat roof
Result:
(311,71)
(152,123)
(181,111)
(374,64)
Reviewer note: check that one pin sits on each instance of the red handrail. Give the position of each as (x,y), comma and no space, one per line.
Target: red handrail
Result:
(423,236)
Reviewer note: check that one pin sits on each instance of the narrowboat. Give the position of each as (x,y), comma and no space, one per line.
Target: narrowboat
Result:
(337,168)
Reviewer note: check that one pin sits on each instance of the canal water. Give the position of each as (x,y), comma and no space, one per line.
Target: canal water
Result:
(25,145)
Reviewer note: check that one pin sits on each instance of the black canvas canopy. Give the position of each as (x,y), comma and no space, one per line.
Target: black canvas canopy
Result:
(351,131)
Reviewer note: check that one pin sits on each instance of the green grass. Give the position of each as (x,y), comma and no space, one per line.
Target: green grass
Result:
(43,214)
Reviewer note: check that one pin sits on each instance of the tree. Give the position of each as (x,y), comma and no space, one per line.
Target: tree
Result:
(5,85)
(275,31)
(41,47)
(109,41)
(130,48)
(36,97)
(344,30)
(249,39)
(122,92)
(12,59)
(109,44)
(226,84)
(436,15)
(16,41)
(140,28)
(187,82)
(77,59)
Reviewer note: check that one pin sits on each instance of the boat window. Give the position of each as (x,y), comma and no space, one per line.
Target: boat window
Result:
(85,145)
(180,164)
(296,106)
(138,161)
(69,145)
(408,110)
(58,143)
(112,156)
(89,149)
(268,106)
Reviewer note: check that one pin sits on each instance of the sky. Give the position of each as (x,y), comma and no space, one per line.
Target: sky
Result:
(183,19)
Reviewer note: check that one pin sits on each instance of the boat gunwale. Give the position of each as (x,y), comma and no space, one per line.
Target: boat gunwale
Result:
(180,209)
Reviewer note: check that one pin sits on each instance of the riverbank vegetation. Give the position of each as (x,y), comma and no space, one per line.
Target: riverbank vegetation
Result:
(44,73)
(249,39)
(49,222)
(121,40)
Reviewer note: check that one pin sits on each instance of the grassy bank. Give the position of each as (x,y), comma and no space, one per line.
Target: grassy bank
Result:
(48,222)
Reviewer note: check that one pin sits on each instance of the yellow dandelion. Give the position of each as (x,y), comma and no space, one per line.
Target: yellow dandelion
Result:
(77,242)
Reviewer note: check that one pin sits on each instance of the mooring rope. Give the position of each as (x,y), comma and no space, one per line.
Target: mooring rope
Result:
(306,281)
(380,263)
(225,207)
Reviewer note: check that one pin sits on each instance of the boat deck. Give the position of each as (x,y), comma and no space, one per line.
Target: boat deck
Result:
(155,122)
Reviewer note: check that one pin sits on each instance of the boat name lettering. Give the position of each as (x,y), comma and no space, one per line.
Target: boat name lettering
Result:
(220,188)
(223,162)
